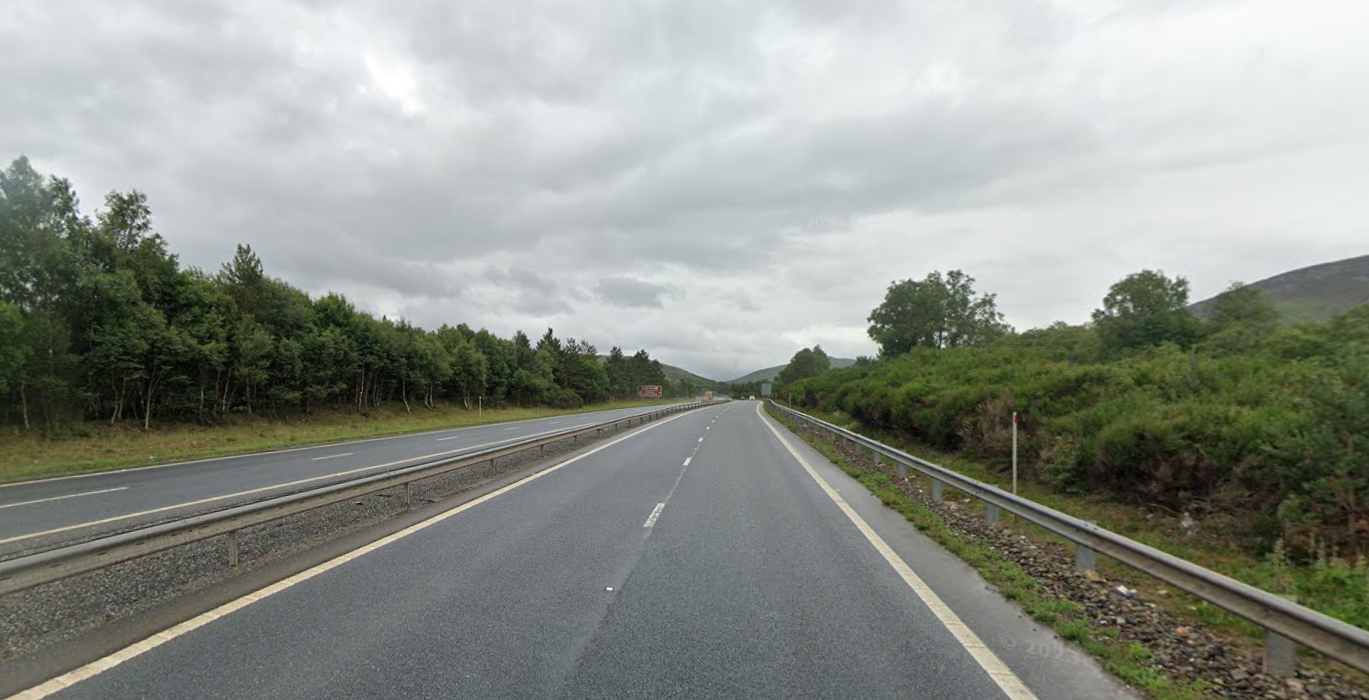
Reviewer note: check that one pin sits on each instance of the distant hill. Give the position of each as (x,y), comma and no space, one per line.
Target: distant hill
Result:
(1313,293)
(770,373)
(675,374)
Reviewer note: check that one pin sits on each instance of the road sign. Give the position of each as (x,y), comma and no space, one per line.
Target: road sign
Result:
(650,392)
(765,389)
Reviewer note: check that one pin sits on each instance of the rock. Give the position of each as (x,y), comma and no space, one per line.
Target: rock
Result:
(1125,592)
(1294,685)
(1238,675)
(1093,576)
(1188,524)
(1181,631)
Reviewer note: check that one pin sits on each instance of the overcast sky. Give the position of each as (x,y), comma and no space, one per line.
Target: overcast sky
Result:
(723,182)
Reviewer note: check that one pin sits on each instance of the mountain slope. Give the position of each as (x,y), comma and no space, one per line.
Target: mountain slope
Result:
(1313,293)
(675,374)
(770,373)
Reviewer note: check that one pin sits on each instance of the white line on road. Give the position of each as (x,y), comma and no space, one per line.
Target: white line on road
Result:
(249,492)
(655,513)
(58,498)
(344,454)
(701,439)
(999,672)
(97,667)
(344,443)
(457,437)
(687,461)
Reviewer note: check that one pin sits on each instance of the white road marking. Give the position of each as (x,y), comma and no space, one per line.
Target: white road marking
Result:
(344,454)
(655,513)
(687,461)
(496,442)
(999,672)
(249,492)
(701,439)
(58,498)
(508,429)
(272,452)
(99,666)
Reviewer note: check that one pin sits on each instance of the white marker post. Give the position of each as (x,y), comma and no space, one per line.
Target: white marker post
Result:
(1014,453)
(479,407)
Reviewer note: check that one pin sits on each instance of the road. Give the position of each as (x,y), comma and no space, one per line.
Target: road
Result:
(40,513)
(708,555)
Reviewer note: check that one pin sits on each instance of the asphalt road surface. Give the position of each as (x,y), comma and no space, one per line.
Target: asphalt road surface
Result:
(48,511)
(709,555)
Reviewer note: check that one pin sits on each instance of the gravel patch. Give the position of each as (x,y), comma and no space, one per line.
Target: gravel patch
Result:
(1181,650)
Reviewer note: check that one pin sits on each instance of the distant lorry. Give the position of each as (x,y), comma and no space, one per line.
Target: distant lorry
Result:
(708,396)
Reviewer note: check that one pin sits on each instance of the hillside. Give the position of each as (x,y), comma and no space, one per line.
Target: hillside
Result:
(771,372)
(1313,293)
(675,374)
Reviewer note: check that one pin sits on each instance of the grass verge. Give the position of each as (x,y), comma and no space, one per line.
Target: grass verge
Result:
(102,447)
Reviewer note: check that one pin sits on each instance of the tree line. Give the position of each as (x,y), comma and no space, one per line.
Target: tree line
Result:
(1254,426)
(99,321)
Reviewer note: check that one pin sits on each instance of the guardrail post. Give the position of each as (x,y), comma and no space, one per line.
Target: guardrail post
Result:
(990,513)
(1084,559)
(902,470)
(1280,652)
(936,489)
(409,493)
(1280,655)
(233,549)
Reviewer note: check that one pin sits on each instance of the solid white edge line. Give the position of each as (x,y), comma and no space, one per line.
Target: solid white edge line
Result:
(655,513)
(60,498)
(686,463)
(263,489)
(132,651)
(298,449)
(998,671)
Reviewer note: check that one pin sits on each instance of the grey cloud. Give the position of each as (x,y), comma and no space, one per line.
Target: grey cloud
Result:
(526,292)
(535,161)
(633,293)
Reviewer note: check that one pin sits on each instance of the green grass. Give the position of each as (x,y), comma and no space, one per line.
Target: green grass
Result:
(101,447)
(1132,663)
